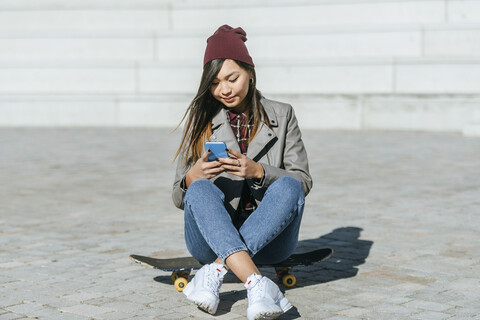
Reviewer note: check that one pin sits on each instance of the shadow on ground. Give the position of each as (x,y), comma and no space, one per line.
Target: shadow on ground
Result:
(349,253)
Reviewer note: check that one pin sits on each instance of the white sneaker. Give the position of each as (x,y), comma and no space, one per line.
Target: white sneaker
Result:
(204,289)
(265,300)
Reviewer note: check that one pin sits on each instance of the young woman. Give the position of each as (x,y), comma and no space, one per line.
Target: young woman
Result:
(245,208)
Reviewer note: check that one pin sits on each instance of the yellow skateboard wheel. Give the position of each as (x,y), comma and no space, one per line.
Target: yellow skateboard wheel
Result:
(180,284)
(289,280)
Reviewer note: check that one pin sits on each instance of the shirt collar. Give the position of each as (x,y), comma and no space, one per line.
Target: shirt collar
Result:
(232,115)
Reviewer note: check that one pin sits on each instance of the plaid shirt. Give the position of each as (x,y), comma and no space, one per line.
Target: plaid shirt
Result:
(241,126)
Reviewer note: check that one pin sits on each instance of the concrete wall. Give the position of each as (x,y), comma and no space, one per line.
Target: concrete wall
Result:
(343,64)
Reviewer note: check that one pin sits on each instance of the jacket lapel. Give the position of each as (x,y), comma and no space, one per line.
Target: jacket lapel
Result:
(265,134)
(261,139)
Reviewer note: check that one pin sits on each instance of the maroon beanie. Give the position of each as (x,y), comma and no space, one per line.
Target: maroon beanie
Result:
(227,43)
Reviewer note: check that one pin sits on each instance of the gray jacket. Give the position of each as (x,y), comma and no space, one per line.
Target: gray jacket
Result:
(279,150)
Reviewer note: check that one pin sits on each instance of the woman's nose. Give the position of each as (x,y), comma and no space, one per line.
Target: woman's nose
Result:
(225,89)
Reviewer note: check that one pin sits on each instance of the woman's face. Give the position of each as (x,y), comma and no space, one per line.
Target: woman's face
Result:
(230,86)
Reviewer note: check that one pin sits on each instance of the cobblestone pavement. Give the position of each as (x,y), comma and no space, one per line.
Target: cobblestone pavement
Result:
(401,210)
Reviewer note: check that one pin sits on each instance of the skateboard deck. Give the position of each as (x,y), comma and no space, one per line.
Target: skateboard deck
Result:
(181,267)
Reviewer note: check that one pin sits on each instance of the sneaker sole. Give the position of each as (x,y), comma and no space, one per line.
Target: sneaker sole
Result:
(199,301)
(204,307)
(268,316)
(284,305)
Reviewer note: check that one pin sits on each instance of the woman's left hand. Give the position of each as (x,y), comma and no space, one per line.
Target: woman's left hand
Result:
(241,165)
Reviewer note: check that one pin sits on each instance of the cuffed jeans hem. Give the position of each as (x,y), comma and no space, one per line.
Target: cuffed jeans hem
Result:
(227,254)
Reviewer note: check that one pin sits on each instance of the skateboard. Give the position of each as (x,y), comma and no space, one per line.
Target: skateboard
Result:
(182,267)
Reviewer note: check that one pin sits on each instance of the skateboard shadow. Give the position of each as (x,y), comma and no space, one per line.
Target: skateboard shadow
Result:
(349,253)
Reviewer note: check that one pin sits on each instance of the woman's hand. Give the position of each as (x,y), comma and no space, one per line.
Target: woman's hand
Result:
(241,166)
(204,169)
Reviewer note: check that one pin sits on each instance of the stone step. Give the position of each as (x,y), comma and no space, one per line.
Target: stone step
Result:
(190,15)
(455,113)
(28,5)
(92,110)
(315,76)
(139,45)
(323,13)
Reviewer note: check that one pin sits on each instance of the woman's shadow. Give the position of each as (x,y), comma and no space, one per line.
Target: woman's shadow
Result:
(349,253)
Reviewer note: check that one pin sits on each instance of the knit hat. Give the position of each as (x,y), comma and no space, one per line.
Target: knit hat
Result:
(227,43)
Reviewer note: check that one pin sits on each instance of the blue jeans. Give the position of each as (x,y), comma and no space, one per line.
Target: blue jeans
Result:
(269,235)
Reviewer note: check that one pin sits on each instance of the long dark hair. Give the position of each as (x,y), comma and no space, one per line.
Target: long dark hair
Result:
(204,107)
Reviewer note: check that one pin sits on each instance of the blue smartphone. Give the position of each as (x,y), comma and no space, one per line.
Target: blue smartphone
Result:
(218,150)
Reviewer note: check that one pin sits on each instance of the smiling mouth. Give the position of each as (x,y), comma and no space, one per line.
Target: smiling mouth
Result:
(229,99)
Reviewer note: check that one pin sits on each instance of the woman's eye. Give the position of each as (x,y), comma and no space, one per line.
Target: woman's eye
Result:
(214,83)
(234,79)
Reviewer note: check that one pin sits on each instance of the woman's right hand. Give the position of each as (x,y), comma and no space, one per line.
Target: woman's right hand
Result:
(203,169)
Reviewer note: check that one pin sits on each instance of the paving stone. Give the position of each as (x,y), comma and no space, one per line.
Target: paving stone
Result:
(82,296)
(11,264)
(139,298)
(341,318)
(49,313)
(384,316)
(370,296)
(466,312)
(128,307)
(397,300)
(87,310)
(57,303)
(427,305)
(10,316)
(430,315)
(461,318)
(333,307)
(353,312)
(115,316)
(10,300)
(395,309)
(25,308)
(313,315)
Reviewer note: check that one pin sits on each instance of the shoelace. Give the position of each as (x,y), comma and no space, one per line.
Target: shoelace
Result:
(213,280)
(257,291)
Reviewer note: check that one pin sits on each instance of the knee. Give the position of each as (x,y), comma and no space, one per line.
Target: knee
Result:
(292,184)
(289,187)
(199,184)
(202,188)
